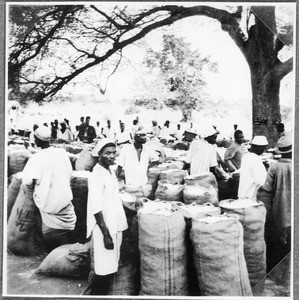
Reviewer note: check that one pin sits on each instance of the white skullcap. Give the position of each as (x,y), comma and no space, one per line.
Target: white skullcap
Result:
(43,133)
(100,145)
(259,140)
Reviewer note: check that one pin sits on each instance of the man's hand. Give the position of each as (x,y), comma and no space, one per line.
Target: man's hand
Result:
(108,242)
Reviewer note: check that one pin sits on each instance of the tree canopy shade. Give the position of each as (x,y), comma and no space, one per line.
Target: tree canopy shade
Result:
(89,36)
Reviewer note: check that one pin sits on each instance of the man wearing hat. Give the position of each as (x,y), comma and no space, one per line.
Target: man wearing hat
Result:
(252,172)
(48,172)
(105,216)
(279,186)
(135,159)
(202,155)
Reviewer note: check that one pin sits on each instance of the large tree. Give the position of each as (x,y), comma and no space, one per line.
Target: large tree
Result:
(93,36)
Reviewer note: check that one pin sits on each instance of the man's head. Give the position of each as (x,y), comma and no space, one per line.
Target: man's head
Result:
(140,137)
(179,126)
(239,136)
(210,135)
(166,124)
(122,126)
(87,120)
(108,123)
(105,151)
(235,126)
(42,137)
(98,123)
(259,144)
(154,122)
(135,122)
(280,128)
(63,126)
(284,146)
(82,119)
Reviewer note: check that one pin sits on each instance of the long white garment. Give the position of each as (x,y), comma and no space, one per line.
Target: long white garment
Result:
(122,137)
(201,156)
(109,132)
(252,176)
(136,170)
(103,196)
(52,169)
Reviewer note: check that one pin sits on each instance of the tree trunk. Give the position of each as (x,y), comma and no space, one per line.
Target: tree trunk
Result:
(265,106)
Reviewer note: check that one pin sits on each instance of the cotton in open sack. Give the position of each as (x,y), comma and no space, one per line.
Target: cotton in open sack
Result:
(169,192)
(200,194)
(70,260)
(13,191)
(24,235)
(144,191)
(173,176)
(205,179)
(85,160)
(252,216)
(219,256)
(162,249)
(79,186)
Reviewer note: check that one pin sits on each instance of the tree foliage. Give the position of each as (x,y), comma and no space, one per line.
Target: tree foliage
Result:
(182,70)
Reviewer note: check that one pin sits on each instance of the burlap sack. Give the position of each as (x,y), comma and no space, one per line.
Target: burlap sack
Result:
(139,191)
(219,257)
(200,195)
(174,176)
(252,216)
(85,160)
(18,160)
(70,260)
(198,211)
(163,254)
(79,186)
(13,191)
(169,192)
(204,179)
(24,235)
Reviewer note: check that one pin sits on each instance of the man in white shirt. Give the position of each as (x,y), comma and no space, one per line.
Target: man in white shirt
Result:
(106,218)
(252,172)
(48,172)
(135,159)
(123,137)
(202,155)
(108,131)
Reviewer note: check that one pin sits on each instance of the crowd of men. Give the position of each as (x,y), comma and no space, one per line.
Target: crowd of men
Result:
(48,172)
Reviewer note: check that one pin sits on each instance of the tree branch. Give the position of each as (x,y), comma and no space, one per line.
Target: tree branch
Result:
(283,68)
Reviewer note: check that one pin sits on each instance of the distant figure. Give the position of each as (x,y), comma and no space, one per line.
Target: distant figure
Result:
(64,134)
(87,133)
(280,129)
(31,137)
(156,129)
(178,134)
(99,130)
(54,129)
(123,136)
(253,172)
(166,132)
(108,131)
(135,126)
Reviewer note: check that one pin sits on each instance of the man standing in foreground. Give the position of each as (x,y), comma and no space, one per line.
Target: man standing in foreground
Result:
(49,172)
(253,172)
(105,216)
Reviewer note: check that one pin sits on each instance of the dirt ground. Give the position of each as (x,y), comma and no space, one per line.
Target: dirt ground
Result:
(21,282)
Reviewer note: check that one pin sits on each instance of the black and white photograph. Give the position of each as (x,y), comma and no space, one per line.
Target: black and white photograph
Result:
(148,149)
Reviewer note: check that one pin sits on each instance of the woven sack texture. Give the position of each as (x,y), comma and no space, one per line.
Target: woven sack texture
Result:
(24,235)
(18,160)
(204,179)
(174,176)
(13,191)
(200,195)
(219,257)
(163,256)
(253,220)
(70,260)
(139,191)
(85,161)
(169,192)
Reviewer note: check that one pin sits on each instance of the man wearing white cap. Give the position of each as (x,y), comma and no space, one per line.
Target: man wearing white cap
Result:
(202,155)
(49,172)
(105,216)
(279,186)
(135,159)
(252,172)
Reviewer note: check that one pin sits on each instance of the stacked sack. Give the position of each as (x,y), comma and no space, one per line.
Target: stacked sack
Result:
(252,216)
(13,191)
(219,257)
(201,188)
(79,186)
(163,256)
(18,156)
